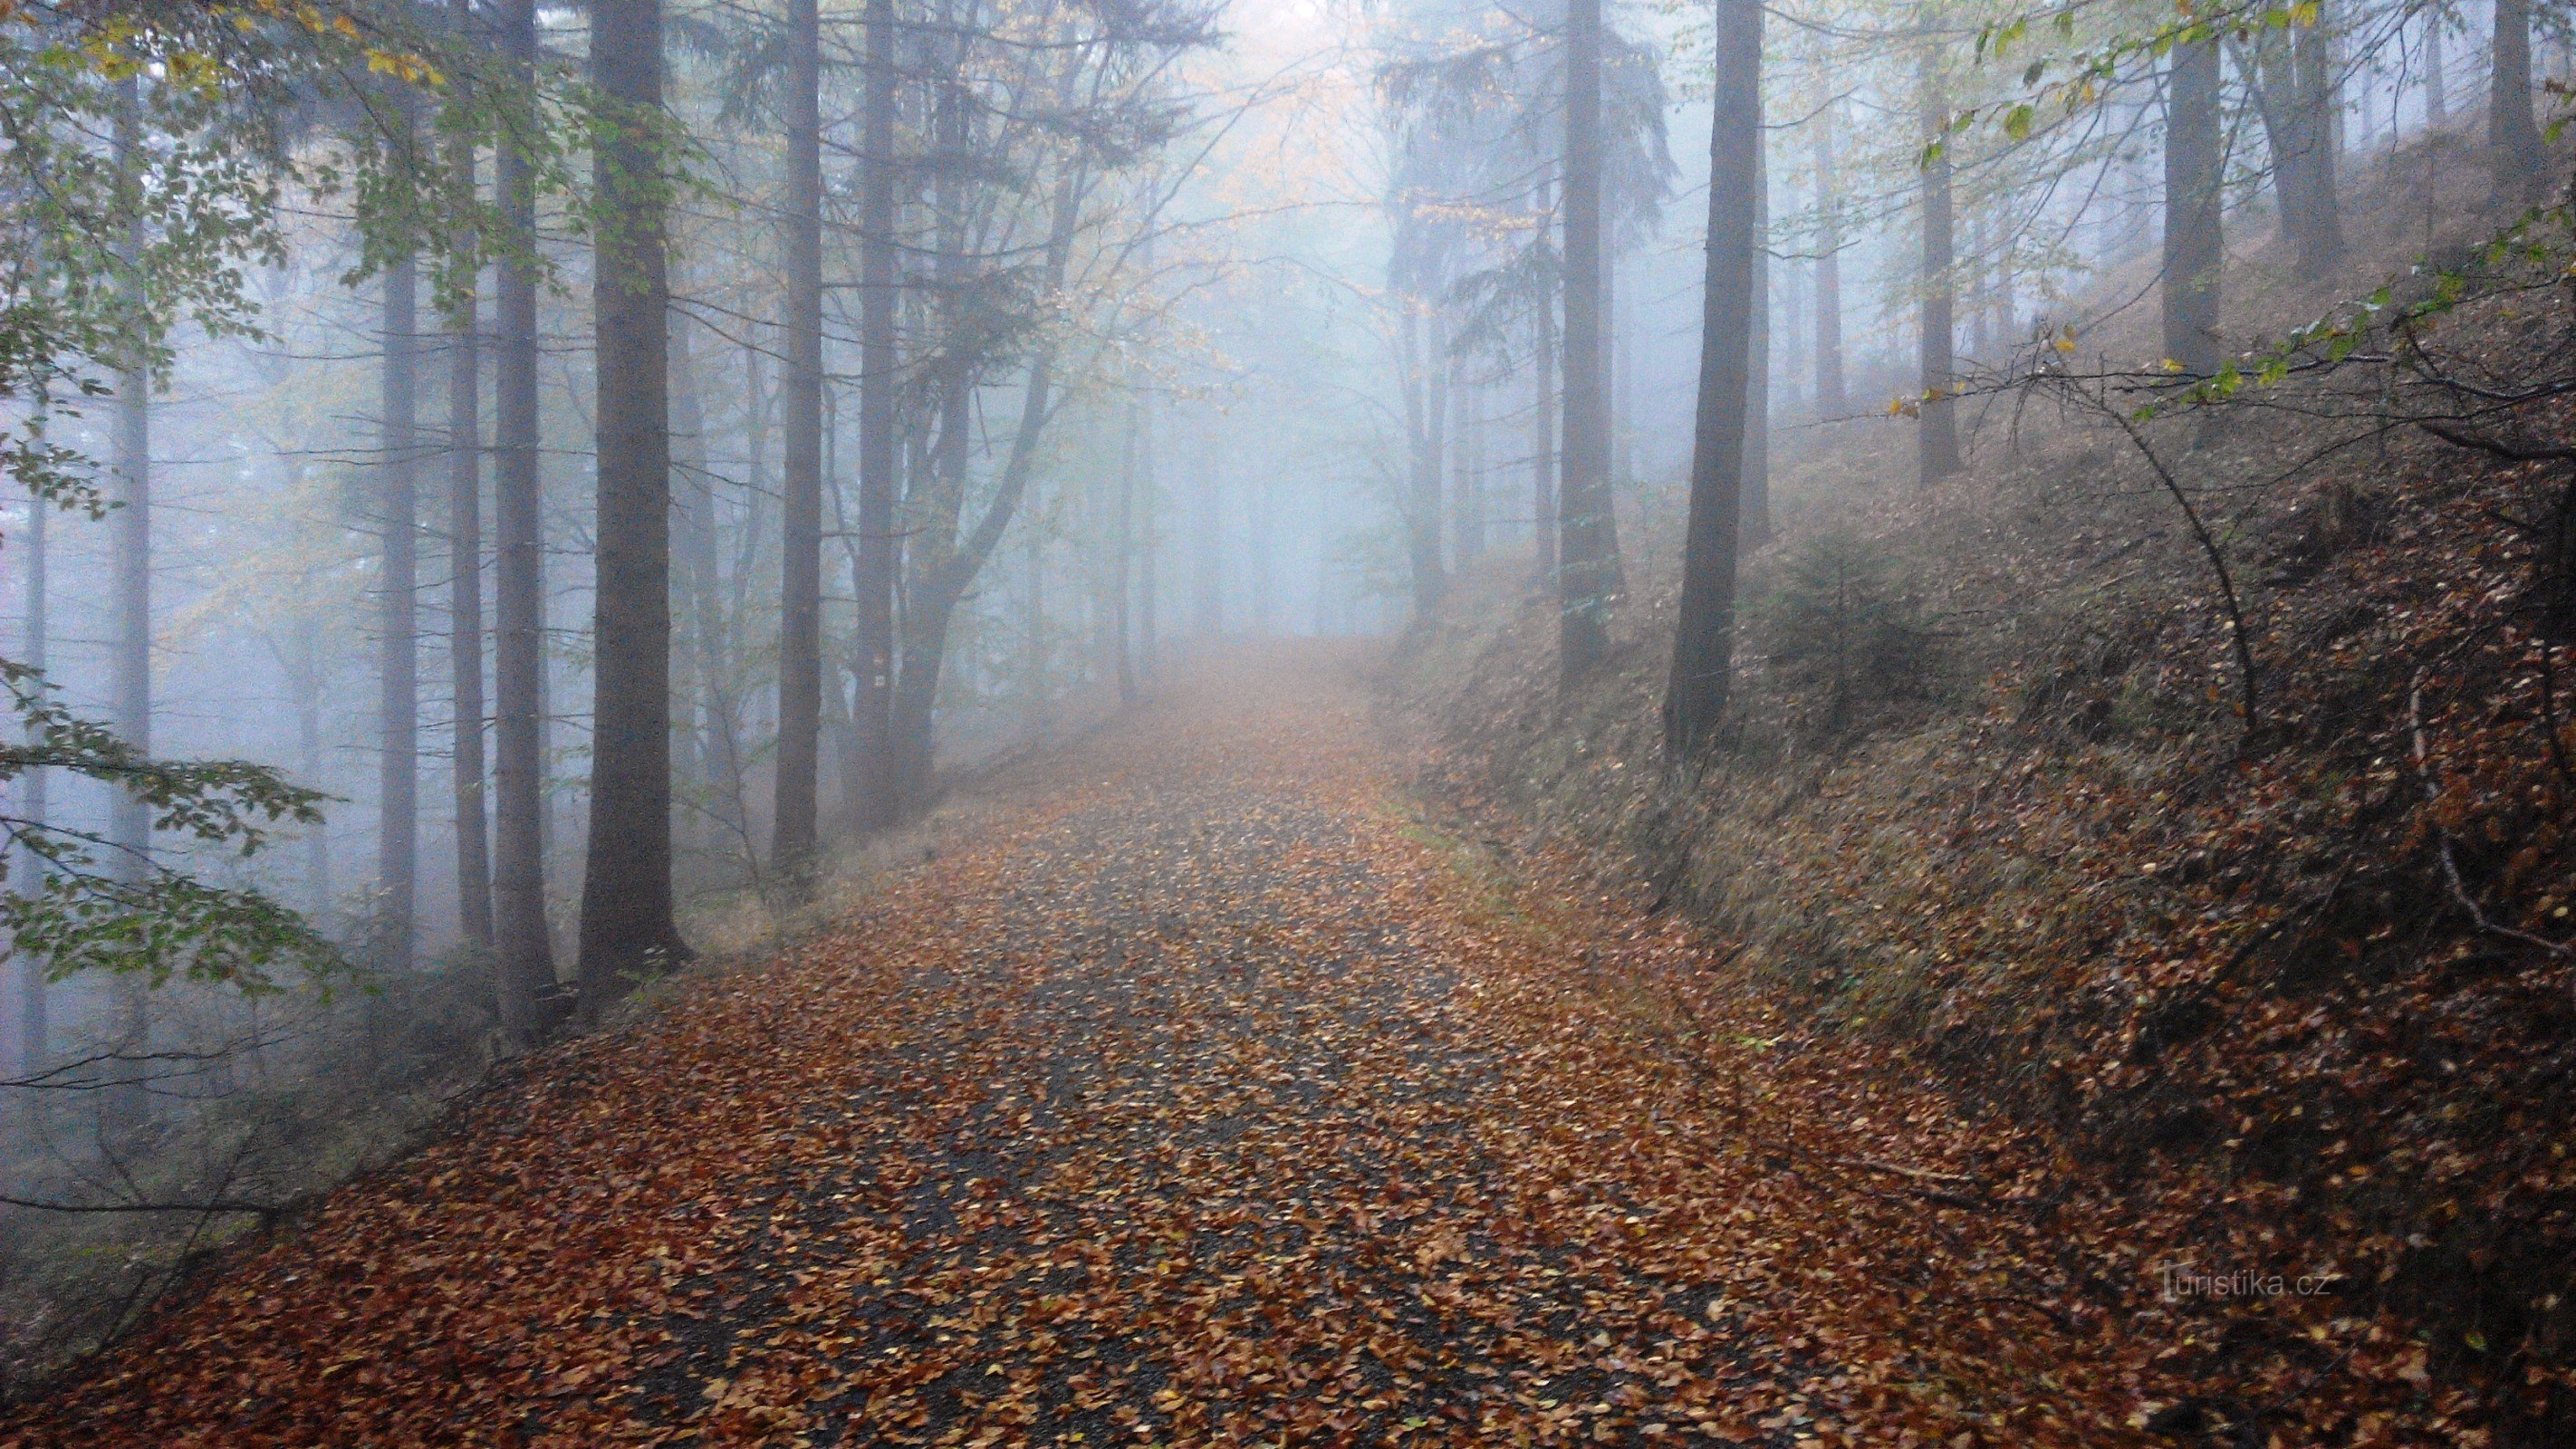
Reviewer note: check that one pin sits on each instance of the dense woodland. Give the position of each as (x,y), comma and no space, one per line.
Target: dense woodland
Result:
(2044,534)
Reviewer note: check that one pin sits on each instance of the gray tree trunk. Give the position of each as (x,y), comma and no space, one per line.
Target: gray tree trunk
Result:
(522,946)
(628,932)
(2195,246)
(29,1029)
(1757,367)
(2513,137)
(1587,569)
(465,582)
(129,829)
(800,570)
(1695,697)
(1833,397)
(1543,456)
(875,792)
(1937,437)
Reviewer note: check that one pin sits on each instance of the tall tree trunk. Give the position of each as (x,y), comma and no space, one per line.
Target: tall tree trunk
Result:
(1543,456)
(2292,82)
(879,435)
(523,951)
(2321,115)
(1833,397)
(1422,483)
(1207,554)
(2195,247)
(800,570)
(1937,437)
(306,674)
(29,1030)
(1756,520)
(1790,355)
(1619,358)
(1122,563)
(627,926)
(1265,603)
(2437,89)
(130,547)
(1431,499)
(398,600)
(1704,640)
(693,552)
(1587,558)
(465,573)
(1466,511)
(1149,615)
(2513,138)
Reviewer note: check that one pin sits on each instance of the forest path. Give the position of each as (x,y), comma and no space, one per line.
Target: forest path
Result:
(1195,1094)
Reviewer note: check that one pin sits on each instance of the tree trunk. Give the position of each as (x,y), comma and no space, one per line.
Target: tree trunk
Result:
(1466,486)
(465,577)
(29,1030)
(1937,437)
(1207,555)
(523,953)
(793,837)
(1588,561)
(2513,138)
(879,441)
(2293,88)
(2195,247)
(693,553)
(627,928)
(1704,641)
(129,830)
(1756,521)
(2437,90)
(1833,398)
(1122,560)
(1422,484)
(1149,618)
(1432,496)
(397,643)
(2321,122)
(306,674)
(1543,500)
(1619,357)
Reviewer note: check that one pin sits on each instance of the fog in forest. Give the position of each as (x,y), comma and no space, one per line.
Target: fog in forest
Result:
(508,500)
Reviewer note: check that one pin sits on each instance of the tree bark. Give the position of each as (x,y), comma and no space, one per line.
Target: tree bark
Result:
(1586,571)
(465,577)
(2195,246)
(1695,698)
(129,830)
(397,604)
(523,952)
(875,792)
(1936,433)
(2437,90)
(29,1028)
(1422,482)
(1756,521)
(1833,397)
(1122,561)
(2513,137)
(1466,482)
(1543,457)
(628,932)
(800,607)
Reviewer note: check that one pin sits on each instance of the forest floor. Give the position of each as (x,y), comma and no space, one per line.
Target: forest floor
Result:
(1201,1087)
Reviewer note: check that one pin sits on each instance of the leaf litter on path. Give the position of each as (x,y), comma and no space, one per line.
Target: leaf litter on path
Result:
(1193,1097)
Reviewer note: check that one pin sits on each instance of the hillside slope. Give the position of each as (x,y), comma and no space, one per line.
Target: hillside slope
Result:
(2290,1004)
